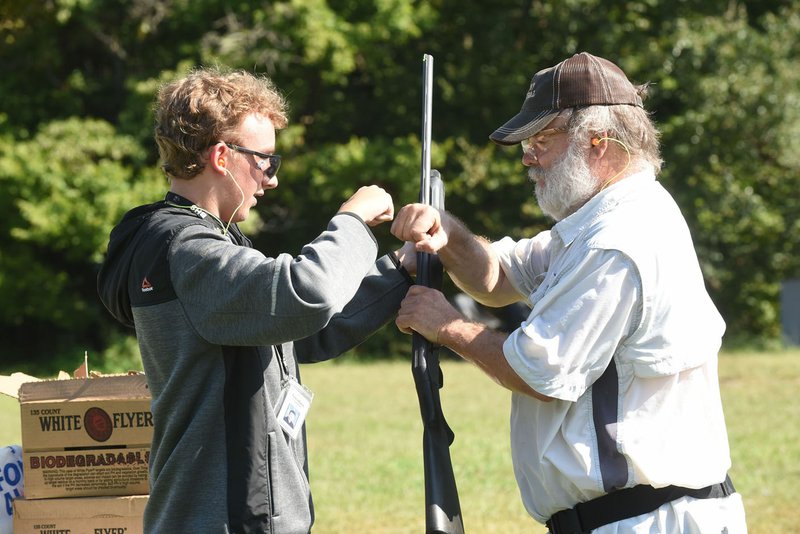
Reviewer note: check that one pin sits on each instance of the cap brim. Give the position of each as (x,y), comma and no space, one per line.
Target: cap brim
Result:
(522,125)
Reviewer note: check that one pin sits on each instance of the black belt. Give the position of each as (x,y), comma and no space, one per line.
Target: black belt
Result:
(626,503)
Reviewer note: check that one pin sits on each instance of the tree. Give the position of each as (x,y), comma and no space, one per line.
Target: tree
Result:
(79,80)
(733,162)
(59,198)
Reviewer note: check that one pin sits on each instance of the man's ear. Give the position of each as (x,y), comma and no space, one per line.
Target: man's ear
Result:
(217,157)
(598,137)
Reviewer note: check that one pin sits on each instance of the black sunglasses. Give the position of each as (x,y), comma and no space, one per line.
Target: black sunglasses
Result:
(267,163)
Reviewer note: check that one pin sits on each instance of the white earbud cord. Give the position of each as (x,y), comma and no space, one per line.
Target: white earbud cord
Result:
(625,168)
(225,231)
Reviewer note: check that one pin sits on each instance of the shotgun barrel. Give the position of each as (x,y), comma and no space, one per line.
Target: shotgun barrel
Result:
(442,508)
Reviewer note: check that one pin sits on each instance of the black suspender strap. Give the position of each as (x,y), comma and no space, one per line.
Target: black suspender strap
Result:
(627,503)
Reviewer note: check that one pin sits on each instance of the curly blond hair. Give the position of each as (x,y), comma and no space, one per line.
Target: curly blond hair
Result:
(208,106)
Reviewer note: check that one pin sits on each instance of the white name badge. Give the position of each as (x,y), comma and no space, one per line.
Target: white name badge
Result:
(292,407)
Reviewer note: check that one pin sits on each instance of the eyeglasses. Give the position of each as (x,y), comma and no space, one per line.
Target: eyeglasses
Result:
(267,163)
(538,143)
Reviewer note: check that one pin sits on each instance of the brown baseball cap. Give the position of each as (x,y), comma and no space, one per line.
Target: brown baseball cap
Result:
(582,80)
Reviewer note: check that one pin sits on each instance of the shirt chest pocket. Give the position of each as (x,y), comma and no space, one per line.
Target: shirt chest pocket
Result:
(546,281)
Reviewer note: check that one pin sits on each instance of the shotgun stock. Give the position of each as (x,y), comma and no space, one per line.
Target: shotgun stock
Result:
(442,508)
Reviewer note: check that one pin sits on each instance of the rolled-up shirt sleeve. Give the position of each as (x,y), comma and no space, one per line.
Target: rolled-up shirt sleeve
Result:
(578,318)
(524,262)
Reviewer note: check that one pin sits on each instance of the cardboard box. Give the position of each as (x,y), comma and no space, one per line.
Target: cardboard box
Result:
(86,437)
(87,515)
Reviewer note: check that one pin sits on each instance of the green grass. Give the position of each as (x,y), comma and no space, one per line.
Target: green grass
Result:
(365,440)
(365,445)
(761,397)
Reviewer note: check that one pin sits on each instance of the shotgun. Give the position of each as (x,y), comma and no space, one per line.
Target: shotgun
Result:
(442,508)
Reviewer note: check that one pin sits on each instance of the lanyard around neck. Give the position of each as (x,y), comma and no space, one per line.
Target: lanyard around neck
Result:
(197,210)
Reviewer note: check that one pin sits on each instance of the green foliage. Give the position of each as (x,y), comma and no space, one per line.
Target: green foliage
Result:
(79,78)
(78,180)
(120,356)
(731,159)
(61,191)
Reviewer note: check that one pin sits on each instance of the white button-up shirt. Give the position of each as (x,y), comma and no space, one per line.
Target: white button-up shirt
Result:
(624,336)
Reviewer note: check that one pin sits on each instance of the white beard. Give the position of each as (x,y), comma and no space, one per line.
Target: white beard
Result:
(566,186)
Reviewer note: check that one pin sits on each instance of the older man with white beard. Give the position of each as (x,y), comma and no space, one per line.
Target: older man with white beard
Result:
(616,419)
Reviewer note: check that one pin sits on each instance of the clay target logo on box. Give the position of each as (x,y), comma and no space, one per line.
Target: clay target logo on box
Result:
(97,424)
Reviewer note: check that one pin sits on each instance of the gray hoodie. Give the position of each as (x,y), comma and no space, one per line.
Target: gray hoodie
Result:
(220,327)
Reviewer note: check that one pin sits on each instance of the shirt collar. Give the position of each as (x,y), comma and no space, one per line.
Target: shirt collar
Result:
(606,200)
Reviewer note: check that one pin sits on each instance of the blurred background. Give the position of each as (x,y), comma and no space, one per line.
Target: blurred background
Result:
(78,77)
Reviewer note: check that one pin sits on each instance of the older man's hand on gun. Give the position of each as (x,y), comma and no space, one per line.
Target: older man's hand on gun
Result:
(420,224)
(426,311)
